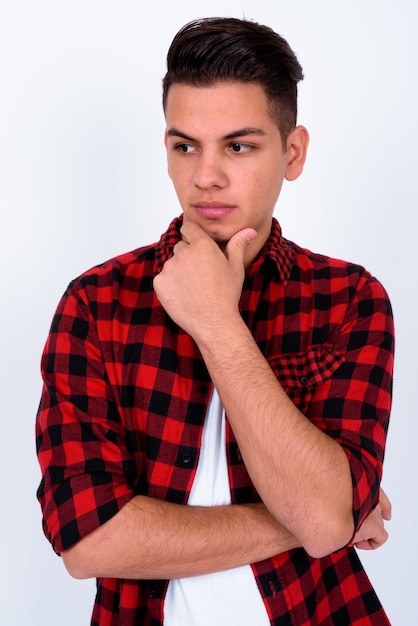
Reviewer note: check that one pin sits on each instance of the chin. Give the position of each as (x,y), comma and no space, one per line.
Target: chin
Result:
(220,239)
(220,235)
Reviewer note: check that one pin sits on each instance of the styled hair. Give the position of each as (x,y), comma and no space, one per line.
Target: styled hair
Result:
(218,49)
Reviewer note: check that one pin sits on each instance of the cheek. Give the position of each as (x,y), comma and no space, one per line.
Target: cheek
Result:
(265,186)
(183,172)
(177,175)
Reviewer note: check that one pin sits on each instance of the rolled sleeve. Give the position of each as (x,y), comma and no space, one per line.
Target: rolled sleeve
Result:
(353,404)
(87,471)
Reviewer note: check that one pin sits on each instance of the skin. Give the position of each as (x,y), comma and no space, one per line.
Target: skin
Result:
(372,533)
(227,164)
(236,161)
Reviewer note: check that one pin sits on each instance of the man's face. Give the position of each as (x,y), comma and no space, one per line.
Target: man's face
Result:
(225,157)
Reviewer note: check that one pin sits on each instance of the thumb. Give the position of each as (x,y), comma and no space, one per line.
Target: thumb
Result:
(237,245)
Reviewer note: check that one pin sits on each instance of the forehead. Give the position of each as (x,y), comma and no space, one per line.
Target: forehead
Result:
(223,105)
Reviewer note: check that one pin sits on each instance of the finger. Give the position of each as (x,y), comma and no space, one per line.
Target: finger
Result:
(363,545)
(180,245)
(190,231)
(373,543)
(237,245)
(379,538)
(385,505)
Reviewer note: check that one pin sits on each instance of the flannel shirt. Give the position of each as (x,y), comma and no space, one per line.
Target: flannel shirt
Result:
(124,400)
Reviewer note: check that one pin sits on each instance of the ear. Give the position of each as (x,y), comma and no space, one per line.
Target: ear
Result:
(297,147)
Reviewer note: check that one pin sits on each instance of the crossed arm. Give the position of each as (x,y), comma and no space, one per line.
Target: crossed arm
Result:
(155,539)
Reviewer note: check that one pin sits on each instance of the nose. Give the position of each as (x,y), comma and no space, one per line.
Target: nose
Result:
(209,172)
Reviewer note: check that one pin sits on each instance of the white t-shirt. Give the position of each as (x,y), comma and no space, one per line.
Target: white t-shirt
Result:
(230,597)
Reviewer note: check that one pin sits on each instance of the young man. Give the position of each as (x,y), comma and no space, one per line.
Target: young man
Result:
(215,405)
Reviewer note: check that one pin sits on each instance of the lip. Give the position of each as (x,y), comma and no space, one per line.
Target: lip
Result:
(214,209)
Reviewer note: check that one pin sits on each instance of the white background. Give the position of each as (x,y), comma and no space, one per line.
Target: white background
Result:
(83,177)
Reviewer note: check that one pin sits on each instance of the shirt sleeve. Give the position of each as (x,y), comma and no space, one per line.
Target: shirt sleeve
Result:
(87,471)
(353,404)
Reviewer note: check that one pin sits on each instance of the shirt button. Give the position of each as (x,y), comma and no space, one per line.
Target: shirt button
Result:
(304,380)
(203,389)
(152,594)
(186,458)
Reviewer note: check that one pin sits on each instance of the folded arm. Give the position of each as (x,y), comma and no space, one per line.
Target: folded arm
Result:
(154,539)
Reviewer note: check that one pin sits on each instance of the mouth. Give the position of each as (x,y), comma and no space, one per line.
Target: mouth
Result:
(213,210)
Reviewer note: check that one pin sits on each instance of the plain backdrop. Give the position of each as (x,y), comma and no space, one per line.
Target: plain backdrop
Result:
(83,178)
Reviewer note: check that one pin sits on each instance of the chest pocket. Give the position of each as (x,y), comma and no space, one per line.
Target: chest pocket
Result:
(301,373)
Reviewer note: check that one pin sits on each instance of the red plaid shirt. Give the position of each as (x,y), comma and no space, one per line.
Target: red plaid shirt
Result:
(125,396)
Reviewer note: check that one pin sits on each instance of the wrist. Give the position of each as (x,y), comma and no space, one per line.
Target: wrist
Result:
(222,336)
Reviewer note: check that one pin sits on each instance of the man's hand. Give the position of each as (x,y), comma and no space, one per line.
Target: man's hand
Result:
(372,534)
(200,286)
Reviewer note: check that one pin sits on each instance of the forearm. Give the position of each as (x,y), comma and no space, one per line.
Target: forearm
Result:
(301,474)
(153,539)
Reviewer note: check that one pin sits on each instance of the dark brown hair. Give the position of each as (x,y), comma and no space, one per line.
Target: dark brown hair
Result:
(218,49)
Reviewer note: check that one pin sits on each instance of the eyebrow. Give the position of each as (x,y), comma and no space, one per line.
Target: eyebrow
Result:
(240,132)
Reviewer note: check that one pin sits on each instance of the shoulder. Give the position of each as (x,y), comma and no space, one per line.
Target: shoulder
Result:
(115,283)
(340,289)
(126,270)
(322,265)
(320,269)
(134,270)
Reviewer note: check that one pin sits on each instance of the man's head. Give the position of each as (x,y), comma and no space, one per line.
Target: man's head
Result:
(231,137)
(213,50)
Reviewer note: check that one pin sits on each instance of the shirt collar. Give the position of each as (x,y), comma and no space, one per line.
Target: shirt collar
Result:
(277,252)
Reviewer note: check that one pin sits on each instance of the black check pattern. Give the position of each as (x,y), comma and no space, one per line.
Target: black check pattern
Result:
(125,396)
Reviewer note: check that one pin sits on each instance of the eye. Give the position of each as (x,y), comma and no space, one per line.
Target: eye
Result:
(240,148)
(184,148)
